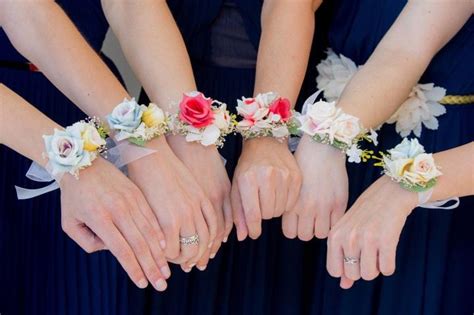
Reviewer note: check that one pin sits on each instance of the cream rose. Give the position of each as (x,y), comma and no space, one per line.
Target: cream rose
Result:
(345,128)
(153,115)
(425,167)
(222,118)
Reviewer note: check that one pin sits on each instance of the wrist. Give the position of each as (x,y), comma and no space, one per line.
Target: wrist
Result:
(261,141)
(178,143)
(405,197)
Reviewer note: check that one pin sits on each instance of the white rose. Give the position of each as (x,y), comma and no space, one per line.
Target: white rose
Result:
(280,132)
(88,134)
(265,99)
(126,116)
(222,117)
(425,167)
(207,137)
(408,148)
(322,111)
(345,128)
(152,115)
(397,168)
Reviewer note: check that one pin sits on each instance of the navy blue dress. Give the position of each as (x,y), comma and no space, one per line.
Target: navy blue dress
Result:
(265,276)
(42,271)
(274,275)
(436,249)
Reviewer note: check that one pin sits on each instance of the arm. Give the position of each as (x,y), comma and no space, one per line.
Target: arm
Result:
(396,65)
(42,32)
(376,219)
(287,33)
(94,223)
(155,49)
(48,38)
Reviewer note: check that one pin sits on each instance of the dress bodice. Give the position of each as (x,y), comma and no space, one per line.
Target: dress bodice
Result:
(202,23)
(88,17)
(359,25)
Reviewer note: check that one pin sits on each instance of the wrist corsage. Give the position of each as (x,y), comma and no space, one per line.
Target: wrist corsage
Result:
(74,148)
(325,123)
(266,115)
(410,166)
(202,119)
(138,123)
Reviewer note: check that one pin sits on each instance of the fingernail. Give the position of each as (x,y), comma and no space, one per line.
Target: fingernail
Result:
(187,270)
(142,283)
(161,285)
(224,240)
(202,268)
(210,244)
(192,265)
(165,270)
(163,244)
(212,255)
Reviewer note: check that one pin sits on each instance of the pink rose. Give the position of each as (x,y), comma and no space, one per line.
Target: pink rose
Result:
(195,109)
(281,106)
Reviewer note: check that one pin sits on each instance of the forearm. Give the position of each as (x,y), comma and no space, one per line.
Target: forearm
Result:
(22,126)
(154,48)
(43,33)
(385,81)
(285,44)
(458,172)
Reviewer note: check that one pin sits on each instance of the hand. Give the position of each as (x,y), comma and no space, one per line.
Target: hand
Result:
(324,192)
(208,169)
(104,209)
(266,183)
(179,203)
(369,232)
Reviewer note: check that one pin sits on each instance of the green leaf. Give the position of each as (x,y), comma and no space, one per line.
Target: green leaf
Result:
(419,188)
(137,141)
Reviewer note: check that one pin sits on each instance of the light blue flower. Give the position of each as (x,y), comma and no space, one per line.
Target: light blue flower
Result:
(126,116)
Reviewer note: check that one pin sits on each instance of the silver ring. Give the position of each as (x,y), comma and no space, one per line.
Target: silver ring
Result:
(189,240)
(351,260)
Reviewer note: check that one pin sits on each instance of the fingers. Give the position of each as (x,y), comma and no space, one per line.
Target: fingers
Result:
(322,223)
(250,202)
(305,227)
(293,190)
(203,245)
(152,237)
(281,195)
(127,224)
(211,220)
(346,283)
(227,206)
(188,251)
(289,225)
(368,262)
(387,256)
(83,236)
(335,256)
(266,195)
(352,270)
(204,260)
(238,213)
(117,245)
(151,218)
(173,248)
(336,215)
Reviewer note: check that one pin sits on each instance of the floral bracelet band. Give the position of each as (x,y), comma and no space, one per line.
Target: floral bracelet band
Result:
(138,123)
(202,119)
(74,148)
(266,115)
(410,166)
(325,123)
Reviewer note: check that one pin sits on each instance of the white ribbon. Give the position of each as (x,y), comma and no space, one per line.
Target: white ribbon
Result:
(310,100)
(423,198)
(37,173)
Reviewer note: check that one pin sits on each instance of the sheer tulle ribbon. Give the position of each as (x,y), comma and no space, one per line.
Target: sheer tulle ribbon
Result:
(120,155)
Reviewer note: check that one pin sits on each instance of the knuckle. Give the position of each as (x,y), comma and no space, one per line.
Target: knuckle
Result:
(369,238)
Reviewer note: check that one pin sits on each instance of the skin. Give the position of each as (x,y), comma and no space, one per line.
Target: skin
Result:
(166,73)
(386,78)
(267,180)
(98,211)
(47,38)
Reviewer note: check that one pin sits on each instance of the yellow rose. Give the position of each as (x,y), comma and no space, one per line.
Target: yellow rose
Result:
(91,137)
(153,115)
